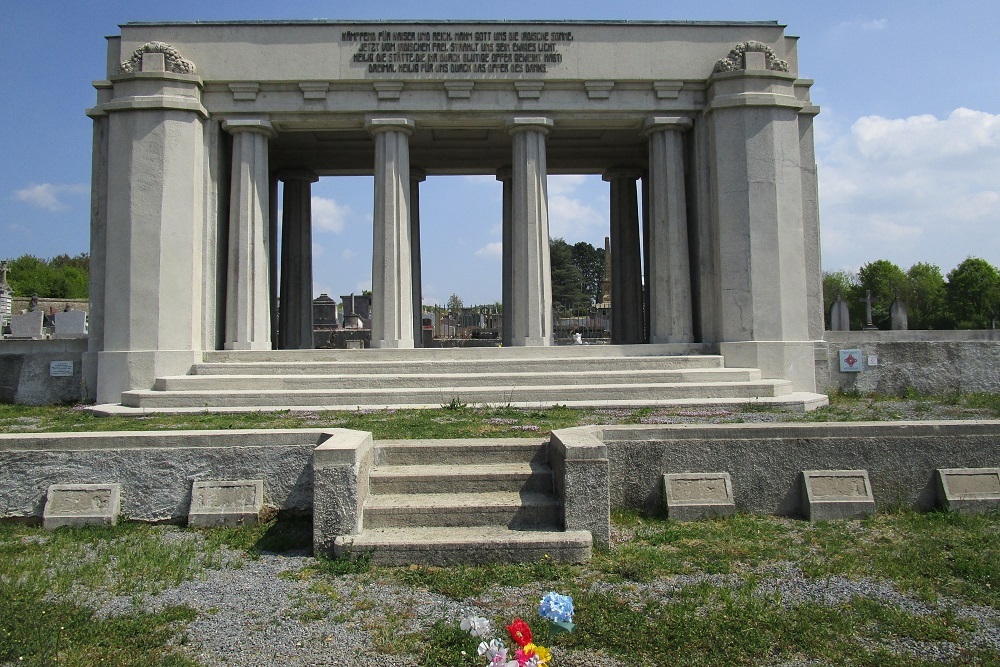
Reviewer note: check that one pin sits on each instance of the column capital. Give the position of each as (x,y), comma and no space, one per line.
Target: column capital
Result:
(297,174)
(662,123)
(622,172)
(505,173)
(376,124)
(417,175)
(256,125)
(541,124)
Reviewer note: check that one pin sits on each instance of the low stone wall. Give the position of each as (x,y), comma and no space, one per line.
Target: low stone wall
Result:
(156,469)
(25,371)
(765,461)
(929,362)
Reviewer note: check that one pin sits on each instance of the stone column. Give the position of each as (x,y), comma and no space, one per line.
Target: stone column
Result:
(531,281)
(417,176)
(645,257)
(272,256)
(248,303)
(392,272)
(507,279)
(295,320)
(626,265)
(670,317)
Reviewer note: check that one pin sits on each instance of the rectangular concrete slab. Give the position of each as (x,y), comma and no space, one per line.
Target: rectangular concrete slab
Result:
(969,490)
(837,494)
(690,496)
(81,505)
(226,503)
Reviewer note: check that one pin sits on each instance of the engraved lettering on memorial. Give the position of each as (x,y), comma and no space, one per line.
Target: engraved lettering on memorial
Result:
(457,52)
(699,489)
(839,487)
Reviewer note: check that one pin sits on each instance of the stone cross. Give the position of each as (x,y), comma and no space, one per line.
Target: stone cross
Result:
(4,268)
(868,300)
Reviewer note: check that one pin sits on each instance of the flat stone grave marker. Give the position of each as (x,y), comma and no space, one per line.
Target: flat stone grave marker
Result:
(70,324)
(837,494)
(226,503)
(27,325)
(697,495)
(969,490)
(81,505)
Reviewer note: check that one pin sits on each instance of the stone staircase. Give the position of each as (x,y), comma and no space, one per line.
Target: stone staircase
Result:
(526,377)
(443,502)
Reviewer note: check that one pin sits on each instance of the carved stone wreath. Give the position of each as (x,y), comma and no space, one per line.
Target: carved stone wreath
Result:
(734,61)
(172,59)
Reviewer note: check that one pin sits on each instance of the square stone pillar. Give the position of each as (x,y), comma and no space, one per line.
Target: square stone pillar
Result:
(626,264)
(670,316)
(295,319)
(531,288)
(248,302)
(764,281)
(392,268)
(505,176)
(417,176)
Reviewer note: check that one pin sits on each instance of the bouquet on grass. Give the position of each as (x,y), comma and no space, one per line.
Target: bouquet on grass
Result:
(557,609)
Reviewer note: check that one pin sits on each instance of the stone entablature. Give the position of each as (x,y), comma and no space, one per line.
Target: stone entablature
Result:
(686,121)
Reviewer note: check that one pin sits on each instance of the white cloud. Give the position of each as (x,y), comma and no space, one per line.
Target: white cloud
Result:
(565,184)
(875,24)
(347,254)
(912,189)
(572,218)
(48,195)
(329,215)
(494,249)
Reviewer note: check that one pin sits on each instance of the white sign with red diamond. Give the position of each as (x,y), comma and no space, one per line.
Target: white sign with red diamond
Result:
(850,361)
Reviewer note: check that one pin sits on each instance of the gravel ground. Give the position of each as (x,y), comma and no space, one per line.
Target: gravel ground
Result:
(264,611)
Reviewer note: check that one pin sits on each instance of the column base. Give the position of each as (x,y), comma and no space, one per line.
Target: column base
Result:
(393,344)
(783,360)
(532,341)
(265,345)
(138,369)
(661,340)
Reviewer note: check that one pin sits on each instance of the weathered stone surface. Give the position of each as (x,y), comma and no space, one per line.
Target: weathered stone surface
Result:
(341,467)
(24,371)
(836,494)
(579,461)
(692,496)
(969,490)
(82,505)
(226,503)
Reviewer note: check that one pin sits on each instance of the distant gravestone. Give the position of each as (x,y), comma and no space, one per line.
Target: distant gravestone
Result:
(969,490)
(28,325)
(226,503)
(70,324)
(840,316)
(897,315)
(81,505)
(837,494)
(697,495)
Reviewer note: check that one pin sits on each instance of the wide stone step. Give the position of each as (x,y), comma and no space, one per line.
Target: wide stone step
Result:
(447,366)
(424,380)
(458,452)
(511,509)
(639,393)
(511,477)
(443,546)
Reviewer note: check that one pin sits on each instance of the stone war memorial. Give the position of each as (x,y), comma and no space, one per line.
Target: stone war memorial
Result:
(702,130)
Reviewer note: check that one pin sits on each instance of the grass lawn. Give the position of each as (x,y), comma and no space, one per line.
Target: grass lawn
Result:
(897,589)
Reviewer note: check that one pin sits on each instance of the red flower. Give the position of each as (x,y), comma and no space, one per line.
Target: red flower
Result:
(519,632)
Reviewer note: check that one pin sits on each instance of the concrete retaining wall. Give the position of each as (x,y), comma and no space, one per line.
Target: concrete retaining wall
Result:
(765,461)
(24,371)
(156,469)
(930,362)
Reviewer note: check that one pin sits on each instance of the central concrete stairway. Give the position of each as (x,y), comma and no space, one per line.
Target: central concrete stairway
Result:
(444,502)
(525,377)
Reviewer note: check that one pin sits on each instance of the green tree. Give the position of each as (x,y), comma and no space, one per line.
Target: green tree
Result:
(568,294)
(845,285)
(885,281)
(454,303)
(925,306)
(590,261)
(973,294)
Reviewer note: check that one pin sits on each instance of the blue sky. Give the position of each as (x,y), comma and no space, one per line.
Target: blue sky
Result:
(908,141)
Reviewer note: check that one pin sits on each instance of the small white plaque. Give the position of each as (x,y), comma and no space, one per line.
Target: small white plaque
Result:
(851,361)
(873,360)
(61,369)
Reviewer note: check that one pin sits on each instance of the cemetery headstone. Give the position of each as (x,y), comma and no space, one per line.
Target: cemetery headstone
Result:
(81,505)
(28,325)
(70,324)
(226,503)
(868,301)
(697,495)
(897,314)
(840,316)
(837,494)
(969,490)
